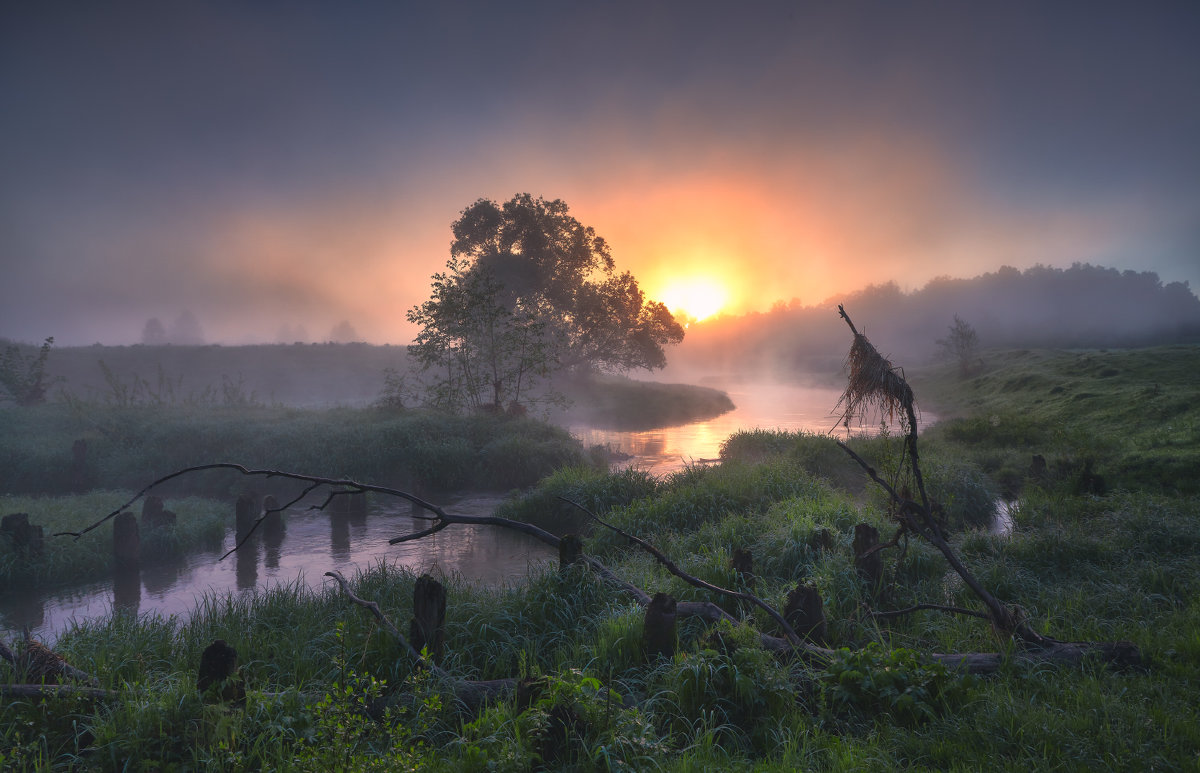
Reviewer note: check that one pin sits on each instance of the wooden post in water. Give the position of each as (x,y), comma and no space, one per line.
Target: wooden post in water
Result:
(127,543)
(24,536)
(570,550)
(427,629)
(154,515)
(246,513)
(805,613)
(658,633)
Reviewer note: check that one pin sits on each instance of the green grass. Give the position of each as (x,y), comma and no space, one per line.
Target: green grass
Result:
(617,402)
(200,525)
(129,447)
(1121,565)
(1133,414)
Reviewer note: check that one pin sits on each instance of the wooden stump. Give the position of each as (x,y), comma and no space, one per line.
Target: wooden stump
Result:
(658,633)
(427,627)
(154,516)
(805,613)
(742,563)
(217,676)
(246,513)
(127,543)
(869,564)
(822,539)
(25,537)
(570,550)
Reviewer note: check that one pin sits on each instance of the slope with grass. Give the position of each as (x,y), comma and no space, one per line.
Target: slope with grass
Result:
(1083,565)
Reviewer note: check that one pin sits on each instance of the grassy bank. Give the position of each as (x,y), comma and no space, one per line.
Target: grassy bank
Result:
(129,447)
(1122,564)
(200,525)
(1129,416)
(616,402)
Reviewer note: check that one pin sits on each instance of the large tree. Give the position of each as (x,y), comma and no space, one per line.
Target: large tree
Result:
(529,289)
(549,263)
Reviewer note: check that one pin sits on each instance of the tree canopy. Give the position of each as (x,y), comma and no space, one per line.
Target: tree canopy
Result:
(528,290)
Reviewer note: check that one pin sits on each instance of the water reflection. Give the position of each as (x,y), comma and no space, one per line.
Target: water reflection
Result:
(306,543)
(246,564)
(127,589)
(312,543)
(759,406)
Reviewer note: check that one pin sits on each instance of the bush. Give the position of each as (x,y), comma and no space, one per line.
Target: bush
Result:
(872,682)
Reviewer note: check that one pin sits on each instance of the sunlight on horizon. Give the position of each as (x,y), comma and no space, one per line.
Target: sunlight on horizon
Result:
(696,298)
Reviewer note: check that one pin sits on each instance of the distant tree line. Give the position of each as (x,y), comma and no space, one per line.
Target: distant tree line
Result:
(1083,306)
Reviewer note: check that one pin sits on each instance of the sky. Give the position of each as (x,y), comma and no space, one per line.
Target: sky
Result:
(299,163)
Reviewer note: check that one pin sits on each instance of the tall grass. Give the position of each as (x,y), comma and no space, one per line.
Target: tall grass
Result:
(1083,566)
(128,447)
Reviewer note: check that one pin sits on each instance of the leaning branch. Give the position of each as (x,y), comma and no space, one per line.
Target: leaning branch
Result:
(692,580)
(471,693)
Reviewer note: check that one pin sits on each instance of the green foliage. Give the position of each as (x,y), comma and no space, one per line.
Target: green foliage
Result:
(567,719)
(871,682)
(529,290)
(345,736)
(129,446)
(732,686)
(23,377)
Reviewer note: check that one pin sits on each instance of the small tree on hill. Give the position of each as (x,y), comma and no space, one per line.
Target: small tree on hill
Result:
(961,345)
(23,377)
(154,334)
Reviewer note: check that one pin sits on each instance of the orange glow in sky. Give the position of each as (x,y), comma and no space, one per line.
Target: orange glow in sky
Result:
(694,298)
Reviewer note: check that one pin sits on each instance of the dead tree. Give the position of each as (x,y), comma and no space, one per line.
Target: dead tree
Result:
(874,384)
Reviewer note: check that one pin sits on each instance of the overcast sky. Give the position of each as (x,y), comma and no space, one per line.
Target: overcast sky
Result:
(271,163)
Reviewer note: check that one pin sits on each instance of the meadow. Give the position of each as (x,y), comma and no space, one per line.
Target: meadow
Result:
(1105,547)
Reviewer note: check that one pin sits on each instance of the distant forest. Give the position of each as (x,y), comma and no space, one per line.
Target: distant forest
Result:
(1084,306)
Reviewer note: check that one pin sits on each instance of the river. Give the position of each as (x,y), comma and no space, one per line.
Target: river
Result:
(314,542)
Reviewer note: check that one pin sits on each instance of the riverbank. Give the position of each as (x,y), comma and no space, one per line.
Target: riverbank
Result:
(1122,563)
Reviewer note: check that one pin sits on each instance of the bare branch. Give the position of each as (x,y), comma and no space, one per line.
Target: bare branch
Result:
(936,607)
(472,693)
(316,480)
(693,580)
(373,608)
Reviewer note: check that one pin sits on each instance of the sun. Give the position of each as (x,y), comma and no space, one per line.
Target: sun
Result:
(694,298)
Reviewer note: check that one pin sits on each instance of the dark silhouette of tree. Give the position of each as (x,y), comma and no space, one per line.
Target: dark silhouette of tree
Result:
(154,334)
(343,333)
(960,345)
(23,378)
(483,353)
(558,271)
(185,330)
